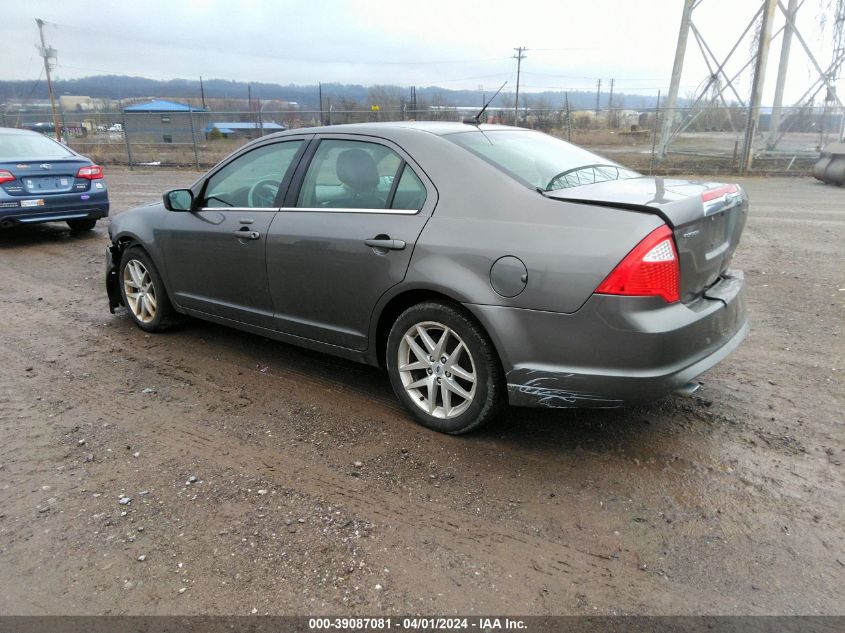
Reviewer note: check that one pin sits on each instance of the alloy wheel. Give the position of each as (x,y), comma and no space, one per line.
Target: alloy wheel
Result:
(437,369)
(140,291)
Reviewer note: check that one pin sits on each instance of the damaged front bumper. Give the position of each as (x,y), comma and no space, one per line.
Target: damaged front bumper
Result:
(113,253)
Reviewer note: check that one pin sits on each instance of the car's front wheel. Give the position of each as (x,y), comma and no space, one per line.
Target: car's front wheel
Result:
(143,292)
(444,369)
(82,225)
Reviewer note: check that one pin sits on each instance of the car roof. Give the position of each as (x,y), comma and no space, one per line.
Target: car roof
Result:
(437,128)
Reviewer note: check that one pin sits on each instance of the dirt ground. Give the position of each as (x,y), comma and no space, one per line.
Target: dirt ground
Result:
(261,478)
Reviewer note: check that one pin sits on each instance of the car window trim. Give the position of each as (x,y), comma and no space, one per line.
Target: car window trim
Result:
(393,185)
(284,184)
(263,209)
(292,195)
(350,210)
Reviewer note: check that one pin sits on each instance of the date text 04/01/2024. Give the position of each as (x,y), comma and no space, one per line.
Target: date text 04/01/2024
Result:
(417,623)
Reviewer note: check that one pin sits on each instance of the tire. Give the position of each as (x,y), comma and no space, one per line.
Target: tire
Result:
(468,389)
(152,311)
(81,225)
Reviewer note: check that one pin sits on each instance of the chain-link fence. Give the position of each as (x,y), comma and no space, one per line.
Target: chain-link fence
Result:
(710,140)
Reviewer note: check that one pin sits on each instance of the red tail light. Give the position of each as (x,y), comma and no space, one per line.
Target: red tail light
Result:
(92,172)
(651,269)
(6,176)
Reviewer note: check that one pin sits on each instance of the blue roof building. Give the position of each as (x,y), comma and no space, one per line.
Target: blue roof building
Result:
(162,121)
(162,105)
(243,129)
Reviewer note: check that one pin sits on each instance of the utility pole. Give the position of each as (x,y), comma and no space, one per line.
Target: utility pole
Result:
(320,89)
(249,100)
(568,119)
(611,118)
(757,85)
(49,53)
(777,105)
(202,92)
(675,83)
(598,97)
(518,57)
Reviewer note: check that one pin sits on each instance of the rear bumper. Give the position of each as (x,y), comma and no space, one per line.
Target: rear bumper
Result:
(615,351)
(57,208)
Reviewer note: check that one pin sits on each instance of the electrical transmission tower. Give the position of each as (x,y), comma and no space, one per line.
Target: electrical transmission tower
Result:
(720,82)
(48,53)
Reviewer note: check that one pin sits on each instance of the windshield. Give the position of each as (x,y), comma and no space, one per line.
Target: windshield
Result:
(538,160)
(31,146)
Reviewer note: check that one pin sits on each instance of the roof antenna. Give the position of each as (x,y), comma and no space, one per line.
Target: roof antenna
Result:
(476,120)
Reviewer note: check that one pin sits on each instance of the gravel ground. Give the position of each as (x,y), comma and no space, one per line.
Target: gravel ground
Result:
(212,471)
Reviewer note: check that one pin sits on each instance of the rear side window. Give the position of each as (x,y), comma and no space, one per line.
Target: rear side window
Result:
(350,175)
(410,192)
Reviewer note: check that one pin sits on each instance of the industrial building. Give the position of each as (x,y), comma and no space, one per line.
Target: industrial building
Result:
(161,121)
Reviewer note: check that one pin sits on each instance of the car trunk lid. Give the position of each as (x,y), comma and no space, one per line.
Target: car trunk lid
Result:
(706,219)
(43,176)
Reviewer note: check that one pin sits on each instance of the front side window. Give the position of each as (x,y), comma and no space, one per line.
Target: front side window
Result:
(253,179)
(350,175)
(538,160)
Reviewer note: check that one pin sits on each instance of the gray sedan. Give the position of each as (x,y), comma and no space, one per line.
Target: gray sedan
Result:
(480,265)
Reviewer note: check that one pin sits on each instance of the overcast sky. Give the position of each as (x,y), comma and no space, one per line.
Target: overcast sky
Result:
(430,42)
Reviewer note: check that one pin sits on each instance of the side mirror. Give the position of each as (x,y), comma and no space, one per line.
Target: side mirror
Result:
(179,200)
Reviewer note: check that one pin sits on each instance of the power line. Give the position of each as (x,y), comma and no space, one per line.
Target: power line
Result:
(201,46)
(34,86)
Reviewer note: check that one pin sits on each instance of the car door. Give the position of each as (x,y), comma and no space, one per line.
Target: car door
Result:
(344,236)
(215,255)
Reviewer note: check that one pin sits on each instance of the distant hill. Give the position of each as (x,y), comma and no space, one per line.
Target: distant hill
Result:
(118,88)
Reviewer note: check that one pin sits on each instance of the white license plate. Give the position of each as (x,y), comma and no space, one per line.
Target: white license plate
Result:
(33,203)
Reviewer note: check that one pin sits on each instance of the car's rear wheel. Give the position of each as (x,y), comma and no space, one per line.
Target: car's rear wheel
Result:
(143,292)
(82,225)
(444,368)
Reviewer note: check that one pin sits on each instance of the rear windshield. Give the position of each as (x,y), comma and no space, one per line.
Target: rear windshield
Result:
(538,160)
(28,146)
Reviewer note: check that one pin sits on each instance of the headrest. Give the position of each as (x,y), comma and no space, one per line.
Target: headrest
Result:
(357,170)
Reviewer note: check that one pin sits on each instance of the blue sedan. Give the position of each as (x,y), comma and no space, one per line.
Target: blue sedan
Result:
(44,181)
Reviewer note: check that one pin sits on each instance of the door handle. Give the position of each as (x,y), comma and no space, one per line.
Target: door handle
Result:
(243,234)
(386,244)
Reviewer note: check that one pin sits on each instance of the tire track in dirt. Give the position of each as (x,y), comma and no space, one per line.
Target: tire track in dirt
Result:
(545,568)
